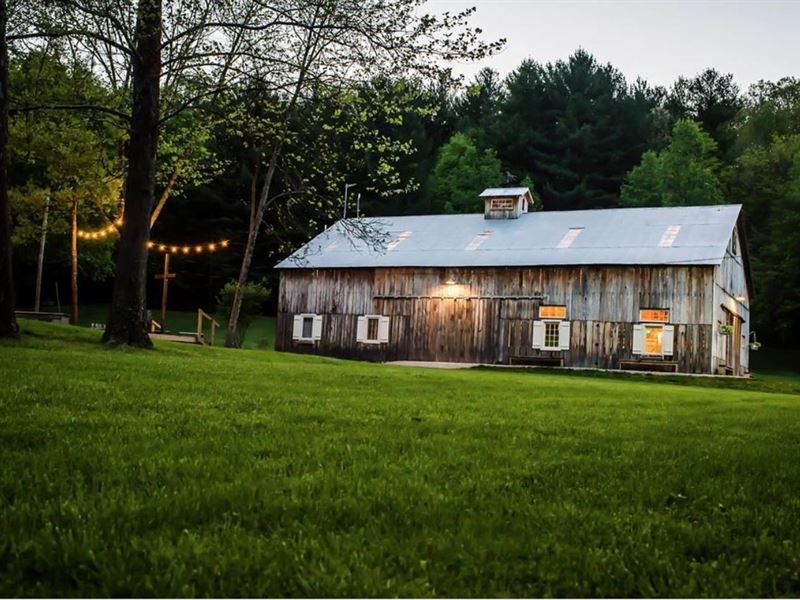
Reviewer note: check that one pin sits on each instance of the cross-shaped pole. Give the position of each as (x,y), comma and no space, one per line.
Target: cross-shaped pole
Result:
(165,277)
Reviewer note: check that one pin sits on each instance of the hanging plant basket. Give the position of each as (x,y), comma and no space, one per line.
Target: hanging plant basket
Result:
(725,329)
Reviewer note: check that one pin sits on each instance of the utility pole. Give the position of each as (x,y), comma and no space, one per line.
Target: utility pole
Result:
(347,186)
(40,262)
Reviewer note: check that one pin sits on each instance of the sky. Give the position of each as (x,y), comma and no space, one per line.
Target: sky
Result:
(652,39)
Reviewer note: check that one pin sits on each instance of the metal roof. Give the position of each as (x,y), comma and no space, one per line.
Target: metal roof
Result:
(694,235)
(504,192)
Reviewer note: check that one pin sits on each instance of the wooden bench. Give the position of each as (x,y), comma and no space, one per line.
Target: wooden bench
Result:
(53,317)
(660,366)
(537,361)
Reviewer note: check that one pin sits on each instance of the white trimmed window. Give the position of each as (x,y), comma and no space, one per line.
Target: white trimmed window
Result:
(653,336)
(372,329)
(552,331)
(307,328)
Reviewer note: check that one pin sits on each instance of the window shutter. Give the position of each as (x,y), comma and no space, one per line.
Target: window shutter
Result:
(563,335)
(383,330)
(297,327)
(638,339)
(668,340)
(316,329)
(538,335)
(361,329)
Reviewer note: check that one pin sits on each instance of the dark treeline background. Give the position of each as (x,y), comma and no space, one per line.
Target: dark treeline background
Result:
(575,131)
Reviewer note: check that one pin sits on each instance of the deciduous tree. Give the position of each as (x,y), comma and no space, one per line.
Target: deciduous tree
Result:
(8,322)
(686,173)
(462,172)
(341,42)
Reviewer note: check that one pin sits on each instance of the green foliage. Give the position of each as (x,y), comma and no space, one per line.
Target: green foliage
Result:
(771,109)
(766,180)
(184,471)
(67,156)
(576,127)
(478,109)
(537,200)
(462,172)
(256,293)
(686,173)
(712,99)
(186,151)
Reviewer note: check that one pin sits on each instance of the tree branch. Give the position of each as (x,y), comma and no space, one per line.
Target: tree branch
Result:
(70,33)
(90,107)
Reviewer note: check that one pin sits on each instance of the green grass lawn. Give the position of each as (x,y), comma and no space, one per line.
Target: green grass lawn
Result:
(202,471)
(260,333)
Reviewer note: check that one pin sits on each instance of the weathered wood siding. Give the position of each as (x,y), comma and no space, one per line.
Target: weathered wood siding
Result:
(487,315)
(731,294)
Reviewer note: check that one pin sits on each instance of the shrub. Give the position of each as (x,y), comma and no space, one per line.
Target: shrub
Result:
(255,294)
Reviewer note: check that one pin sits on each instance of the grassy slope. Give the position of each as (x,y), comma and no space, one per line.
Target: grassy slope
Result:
(260,334)
(202,471)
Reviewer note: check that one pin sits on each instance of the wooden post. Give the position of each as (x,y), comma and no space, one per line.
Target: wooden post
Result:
(165,276)
(213,330)
(40,262)
(73,319)
(200,325)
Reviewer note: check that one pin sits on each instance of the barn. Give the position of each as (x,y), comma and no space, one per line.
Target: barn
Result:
(656,289)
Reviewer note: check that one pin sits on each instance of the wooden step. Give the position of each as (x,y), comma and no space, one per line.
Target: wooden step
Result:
(186,338)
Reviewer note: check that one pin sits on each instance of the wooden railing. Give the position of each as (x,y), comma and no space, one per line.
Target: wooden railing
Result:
(201,315)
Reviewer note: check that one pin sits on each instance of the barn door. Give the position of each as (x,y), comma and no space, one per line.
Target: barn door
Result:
(733,343)
(734,357)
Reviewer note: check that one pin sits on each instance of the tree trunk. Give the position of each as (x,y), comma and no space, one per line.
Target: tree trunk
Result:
(8,322)
(256,215)
(162,201)
(37,303)
(73,263)
(127,322)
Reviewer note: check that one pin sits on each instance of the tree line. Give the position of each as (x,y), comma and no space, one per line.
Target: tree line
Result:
(266,111)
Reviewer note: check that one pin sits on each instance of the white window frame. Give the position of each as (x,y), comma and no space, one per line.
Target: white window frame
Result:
(564,334)
(667,339)
(362,329)
(316,328)
(547,322)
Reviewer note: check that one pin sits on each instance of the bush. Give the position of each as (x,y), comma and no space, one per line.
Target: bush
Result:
(255,294)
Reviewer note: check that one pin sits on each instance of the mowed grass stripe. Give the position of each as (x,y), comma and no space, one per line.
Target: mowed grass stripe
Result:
(201,471)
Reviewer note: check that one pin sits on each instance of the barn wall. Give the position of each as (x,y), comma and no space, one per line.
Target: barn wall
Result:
(731,294)
(487,315)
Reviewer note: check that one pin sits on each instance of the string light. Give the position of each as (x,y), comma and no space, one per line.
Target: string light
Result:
(192,248)
(99,234)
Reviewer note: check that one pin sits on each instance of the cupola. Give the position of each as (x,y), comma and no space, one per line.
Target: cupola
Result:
(505,203)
